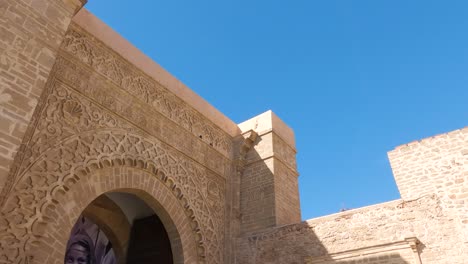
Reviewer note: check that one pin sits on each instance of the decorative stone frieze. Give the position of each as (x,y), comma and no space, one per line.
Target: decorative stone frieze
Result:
(104,61)
(74,134)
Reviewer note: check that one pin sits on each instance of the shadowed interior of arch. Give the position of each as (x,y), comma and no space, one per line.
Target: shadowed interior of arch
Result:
(117,228)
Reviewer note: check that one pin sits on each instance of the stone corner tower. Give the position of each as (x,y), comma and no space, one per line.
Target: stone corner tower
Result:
(269,193)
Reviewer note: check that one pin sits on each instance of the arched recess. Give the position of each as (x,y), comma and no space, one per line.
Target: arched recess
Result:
(73,138)
(146,182)
(100,211)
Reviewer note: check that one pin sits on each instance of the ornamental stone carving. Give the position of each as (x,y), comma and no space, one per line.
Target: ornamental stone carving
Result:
(73,132)
(92,53)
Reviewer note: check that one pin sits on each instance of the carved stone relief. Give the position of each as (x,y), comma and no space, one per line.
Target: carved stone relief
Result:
(146,118)
(103,60)
(72,134)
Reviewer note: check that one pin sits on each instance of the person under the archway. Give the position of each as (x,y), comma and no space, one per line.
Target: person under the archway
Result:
(80,250)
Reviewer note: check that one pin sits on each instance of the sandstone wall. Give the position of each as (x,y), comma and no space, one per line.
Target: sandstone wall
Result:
(269,194)
(31,32)
(432,175)
(99,110)
(436,165)
(83,112)
(366,235)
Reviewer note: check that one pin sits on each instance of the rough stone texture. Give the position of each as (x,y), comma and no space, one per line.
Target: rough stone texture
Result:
(30,34)
(436,165)
(358,229)
(108,119)
(432,176)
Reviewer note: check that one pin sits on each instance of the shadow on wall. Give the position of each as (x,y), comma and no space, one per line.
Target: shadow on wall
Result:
(271,232)
(297,244)
(269,193)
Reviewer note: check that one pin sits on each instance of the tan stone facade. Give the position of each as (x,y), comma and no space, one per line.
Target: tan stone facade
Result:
(84,114)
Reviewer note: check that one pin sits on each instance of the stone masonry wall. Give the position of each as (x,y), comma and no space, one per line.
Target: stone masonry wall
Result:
(30,34)
(392,222)
(269,194)
(389,255)
(257,196)
(436,165)
(100,110)
(69,102)
(432,176)
(286,194)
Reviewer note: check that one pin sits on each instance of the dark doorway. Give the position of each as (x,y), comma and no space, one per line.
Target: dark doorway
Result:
(149,242)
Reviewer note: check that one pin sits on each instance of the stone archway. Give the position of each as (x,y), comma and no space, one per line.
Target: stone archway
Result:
(149,187)
(109,218)
(71,139)
(66,148)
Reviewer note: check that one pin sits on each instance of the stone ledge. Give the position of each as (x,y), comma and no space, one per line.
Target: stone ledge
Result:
(267,122)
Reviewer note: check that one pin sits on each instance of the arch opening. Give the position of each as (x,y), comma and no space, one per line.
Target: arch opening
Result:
(120,227)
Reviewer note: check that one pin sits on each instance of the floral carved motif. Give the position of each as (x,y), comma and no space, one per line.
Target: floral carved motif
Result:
(111,97)
(73,134)
(87,50)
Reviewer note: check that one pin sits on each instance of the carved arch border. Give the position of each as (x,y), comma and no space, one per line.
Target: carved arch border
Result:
(74,136)
(140,178)
(119,243)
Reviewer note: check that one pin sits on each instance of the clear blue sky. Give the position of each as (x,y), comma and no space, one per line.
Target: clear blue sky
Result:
(354,79)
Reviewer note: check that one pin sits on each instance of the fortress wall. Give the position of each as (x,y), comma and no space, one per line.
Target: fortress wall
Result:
(437,165)
(430,220)
(433,165)
(104,102)
(379,233)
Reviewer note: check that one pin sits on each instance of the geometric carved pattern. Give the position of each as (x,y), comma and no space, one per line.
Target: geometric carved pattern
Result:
(87,82)
(94,54)
(74,134)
